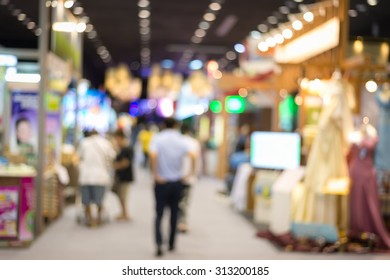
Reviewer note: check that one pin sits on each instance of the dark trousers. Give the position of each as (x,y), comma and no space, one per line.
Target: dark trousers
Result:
(167,194)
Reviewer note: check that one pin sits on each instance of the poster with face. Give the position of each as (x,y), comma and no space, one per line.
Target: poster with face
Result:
(24,124)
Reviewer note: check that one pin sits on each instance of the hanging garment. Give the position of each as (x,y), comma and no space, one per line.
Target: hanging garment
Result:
(327,160)
(382,154)
(365,214)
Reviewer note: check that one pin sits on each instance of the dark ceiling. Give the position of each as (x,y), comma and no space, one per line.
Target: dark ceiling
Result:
(173,23)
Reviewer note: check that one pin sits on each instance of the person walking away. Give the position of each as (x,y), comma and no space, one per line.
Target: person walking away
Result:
(124,175)
(96,155)
(144,137)
(168,150)
(195,147)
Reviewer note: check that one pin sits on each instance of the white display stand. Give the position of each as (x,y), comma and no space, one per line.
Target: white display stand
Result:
(264,182)
(239,189)
(280,214)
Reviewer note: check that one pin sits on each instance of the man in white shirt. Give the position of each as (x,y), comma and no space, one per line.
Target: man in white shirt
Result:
(96,157)
(168,150)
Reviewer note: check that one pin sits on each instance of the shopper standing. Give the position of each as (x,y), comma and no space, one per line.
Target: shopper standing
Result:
(168,150)
(195,147)
(96,156)
(145,137)
(124,175)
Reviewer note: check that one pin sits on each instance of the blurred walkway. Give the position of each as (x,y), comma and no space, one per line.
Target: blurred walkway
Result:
(216,232)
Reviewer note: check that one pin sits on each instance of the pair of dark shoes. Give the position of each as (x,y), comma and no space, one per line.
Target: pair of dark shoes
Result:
(160,252)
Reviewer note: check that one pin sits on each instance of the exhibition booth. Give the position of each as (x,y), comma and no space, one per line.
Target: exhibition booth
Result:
(320,181)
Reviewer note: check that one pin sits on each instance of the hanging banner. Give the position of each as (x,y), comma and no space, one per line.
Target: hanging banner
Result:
(2,95)
(24,125)
(53,126)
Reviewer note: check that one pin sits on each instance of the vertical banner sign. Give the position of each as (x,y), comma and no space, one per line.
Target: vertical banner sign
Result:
(53,126)
(27,212)
(24,125)
(2,95)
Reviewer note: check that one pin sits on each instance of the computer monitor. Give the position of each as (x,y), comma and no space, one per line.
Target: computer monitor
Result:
(275,150)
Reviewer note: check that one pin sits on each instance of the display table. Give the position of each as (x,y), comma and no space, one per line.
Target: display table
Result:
(282,200)
(17,206)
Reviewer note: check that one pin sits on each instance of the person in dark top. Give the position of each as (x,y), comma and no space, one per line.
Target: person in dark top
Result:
(123,166)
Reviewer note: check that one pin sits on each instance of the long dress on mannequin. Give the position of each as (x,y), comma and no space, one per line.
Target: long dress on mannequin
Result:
(327,159)
(365,214)
(382,153)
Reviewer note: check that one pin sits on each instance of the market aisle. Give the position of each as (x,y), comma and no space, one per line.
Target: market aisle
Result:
(216,232)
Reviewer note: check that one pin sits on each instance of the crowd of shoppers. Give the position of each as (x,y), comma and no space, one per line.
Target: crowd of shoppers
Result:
(108,164)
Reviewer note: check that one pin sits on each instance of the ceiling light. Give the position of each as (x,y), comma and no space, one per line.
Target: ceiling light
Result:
(92,34)
(81,26)
(145,52)
(243,92)
(361,8)
(144,22)
(271,42)
(64,26)
(204,25)
(284,10)
(263,46)
(372,2)
(255,34)
(371,86)
(85,19)
(240,48)
(54,4)
(16,12)
(308,16)
(22,78)
(231,55)
(298,1)
(30,25)
(353,13)
(21,17)
(144,14)
(272,20)
(287,33)
(89,28)
(68,4)
(196,40)
(104,55)
(200,33)
(209,17)
(38,32)
(212,66)
(262,27)
(48,4)
(78,10)
(297,25)
(215,6)
(196,64)
(167,64)
(143,3)
(279,39)
(144,30)
(101,50)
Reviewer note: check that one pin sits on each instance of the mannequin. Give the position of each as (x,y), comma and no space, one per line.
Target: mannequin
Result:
(382,153)
(327,159)
(365,214)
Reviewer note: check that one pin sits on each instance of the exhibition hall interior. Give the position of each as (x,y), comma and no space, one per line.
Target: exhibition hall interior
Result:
(194,129)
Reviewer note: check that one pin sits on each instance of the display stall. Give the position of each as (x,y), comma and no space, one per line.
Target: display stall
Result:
(17,205)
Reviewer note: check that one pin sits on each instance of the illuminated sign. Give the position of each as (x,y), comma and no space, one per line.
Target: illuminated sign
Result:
(311,44)
(235,104)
